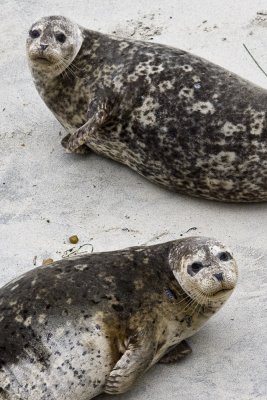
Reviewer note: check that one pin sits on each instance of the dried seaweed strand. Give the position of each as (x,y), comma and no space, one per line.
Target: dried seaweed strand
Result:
(255,61)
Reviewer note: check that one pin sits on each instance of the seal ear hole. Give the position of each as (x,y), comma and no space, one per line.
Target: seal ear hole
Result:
(194,268)
(34,33)
(60,37)
(225,256)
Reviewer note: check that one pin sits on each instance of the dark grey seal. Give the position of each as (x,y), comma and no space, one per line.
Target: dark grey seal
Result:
(173,117)
(95,323)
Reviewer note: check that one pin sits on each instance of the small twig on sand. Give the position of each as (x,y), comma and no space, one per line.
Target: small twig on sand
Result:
(74,252)
(156,237)
(255,61)
(194,228)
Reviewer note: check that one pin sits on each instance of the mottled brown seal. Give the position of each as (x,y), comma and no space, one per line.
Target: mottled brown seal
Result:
(96,322)
(173,117)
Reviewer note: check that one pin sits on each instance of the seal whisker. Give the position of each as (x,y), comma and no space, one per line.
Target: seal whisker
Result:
(68,67)
(67,70)
(72,65)
(198,296)
(183,299)
(59,64)
(195,308)
(189,305)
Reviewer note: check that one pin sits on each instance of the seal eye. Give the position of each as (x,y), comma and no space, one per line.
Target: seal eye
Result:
(194,268)
(60,37)
(225,256)
(34,33)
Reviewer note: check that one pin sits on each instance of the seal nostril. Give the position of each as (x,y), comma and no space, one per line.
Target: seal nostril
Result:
(43,46)
(219,276)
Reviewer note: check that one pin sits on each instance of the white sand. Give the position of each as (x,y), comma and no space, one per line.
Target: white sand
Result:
(111,207)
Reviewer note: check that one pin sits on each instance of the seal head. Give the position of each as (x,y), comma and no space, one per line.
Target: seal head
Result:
(53,44)
(206,270)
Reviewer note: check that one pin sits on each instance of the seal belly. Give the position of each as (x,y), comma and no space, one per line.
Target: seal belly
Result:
(79,362)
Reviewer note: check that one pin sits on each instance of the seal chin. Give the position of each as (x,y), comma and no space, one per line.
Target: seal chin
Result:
(39,57)
(46,64)
(215,299)
(214,288)
(41,61)
(222,293)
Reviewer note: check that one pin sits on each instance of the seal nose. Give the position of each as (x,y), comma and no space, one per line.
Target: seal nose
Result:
(219,276)
(43,46)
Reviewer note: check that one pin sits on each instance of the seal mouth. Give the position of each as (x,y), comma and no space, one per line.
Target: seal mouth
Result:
(221,293)
(204,298)
(41,60)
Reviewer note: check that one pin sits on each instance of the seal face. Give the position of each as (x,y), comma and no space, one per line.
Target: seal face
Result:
(53,45)
(95,323)
(173,117)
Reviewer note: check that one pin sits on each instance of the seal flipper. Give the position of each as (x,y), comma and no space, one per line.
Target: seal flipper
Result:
(176,353)
(80,150)
(76,142)
(136,359)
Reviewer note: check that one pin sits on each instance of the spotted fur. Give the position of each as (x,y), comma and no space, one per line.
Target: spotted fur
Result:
(175,118)
(68,328)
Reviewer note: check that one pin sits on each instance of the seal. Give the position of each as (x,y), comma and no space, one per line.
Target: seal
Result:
(94,323)
(173,117)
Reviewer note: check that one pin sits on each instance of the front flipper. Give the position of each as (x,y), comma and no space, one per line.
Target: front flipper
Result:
(136,359)
(180,351)
(99,114)
(80,150)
